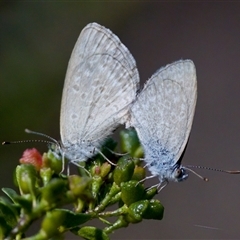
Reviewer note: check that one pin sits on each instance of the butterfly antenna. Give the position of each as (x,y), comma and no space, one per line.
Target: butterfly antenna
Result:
(26,141)
(198,175)
(41,134)
(215,169)
(38,140)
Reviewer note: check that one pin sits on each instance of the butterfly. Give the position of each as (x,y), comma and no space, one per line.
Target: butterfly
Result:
(101,83)
(162,115)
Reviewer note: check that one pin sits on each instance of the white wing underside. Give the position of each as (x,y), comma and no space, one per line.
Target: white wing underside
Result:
(163,112)
(101,82)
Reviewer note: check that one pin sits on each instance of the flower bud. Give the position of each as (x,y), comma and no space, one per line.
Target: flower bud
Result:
(139,173)
(46,175)
(105,169)
(26,176)
(53,161)
(32,156)
(96,185)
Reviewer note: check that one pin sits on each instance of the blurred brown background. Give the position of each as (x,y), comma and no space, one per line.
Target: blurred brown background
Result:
(36,40)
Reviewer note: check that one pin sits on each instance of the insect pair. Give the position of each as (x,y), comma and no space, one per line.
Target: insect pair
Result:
(101,91)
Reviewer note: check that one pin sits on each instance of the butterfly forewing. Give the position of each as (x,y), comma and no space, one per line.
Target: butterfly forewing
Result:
(163,112)
(100,84)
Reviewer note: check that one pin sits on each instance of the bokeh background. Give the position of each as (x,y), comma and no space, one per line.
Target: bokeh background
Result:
(36,40)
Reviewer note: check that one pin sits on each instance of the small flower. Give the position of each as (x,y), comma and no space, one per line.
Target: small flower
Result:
(32,156)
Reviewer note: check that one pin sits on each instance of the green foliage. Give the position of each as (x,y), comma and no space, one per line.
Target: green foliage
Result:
(44,193)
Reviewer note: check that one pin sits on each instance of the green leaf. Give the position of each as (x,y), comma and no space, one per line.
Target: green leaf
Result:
(51,223)
(72,219)
(60,220)
(54,192)
(8,213)
(5,229)
(80,185)
(136,211)
(124,170)
(145,209)
(132,192)
(154,210)
(92,233)
(150,193)
(130,143)
(22,201)
(10,193)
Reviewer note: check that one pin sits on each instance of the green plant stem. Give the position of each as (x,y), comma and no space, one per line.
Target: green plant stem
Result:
(105,202)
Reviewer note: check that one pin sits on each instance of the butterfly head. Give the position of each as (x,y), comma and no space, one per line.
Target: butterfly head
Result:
(179,174)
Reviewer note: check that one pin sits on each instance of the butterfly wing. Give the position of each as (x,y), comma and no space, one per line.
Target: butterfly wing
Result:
(163,112)
(101,82)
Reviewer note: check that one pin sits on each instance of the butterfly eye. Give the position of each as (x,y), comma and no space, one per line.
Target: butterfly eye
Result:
(178,173)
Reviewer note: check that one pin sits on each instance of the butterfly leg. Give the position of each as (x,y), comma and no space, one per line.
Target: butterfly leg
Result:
(149,177)
(78,165)
(162,185)
(115,153)
(107,158)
